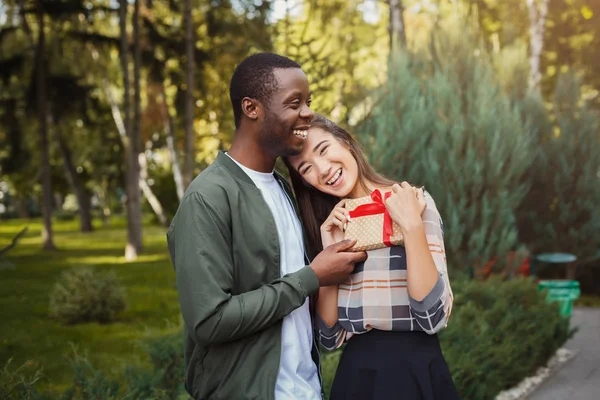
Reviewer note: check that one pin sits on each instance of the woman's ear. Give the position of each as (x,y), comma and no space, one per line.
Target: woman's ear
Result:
(251,107)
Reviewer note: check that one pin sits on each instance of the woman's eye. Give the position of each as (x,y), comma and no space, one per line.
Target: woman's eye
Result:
(306,170)
(323,150)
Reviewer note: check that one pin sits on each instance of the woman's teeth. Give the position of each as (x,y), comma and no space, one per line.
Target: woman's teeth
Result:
(300,133)
(335,177)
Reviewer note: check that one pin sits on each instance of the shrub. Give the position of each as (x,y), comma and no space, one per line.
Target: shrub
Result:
(19,384)
(167,375)
(90,383)
(83,295)
(445,123)
(499,333)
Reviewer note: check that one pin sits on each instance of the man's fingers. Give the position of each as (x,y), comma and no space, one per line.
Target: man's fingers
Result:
(359,256)
(344,245)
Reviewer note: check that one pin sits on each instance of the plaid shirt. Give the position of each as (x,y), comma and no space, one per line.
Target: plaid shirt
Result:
(376,295)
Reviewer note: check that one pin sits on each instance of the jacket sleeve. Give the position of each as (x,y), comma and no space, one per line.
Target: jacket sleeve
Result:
(200,246)
(431,314)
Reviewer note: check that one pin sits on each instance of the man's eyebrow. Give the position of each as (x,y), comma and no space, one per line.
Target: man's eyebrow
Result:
(292,94)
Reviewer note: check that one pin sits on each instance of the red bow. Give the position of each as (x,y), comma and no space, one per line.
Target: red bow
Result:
(377,207)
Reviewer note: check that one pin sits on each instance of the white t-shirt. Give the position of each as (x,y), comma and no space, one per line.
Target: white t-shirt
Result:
(298,378)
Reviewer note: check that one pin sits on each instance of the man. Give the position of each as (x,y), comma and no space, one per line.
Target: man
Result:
(237,247)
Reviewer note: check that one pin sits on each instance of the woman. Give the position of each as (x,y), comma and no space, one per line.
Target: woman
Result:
(391,308)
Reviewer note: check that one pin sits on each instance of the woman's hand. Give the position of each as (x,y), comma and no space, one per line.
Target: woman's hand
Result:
(406,205)
(332,230)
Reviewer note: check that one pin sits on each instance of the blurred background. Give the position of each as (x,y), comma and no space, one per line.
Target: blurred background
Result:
(108,109)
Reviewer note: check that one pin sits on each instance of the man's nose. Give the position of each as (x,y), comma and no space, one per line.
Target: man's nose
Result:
(306,113)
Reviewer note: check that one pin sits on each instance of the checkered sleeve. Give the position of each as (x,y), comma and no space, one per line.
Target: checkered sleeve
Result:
(330,337)
(431,313)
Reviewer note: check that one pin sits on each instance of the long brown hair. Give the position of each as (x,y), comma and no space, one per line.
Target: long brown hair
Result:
(314,205)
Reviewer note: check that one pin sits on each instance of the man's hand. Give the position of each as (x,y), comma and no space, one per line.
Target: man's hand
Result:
(334,264)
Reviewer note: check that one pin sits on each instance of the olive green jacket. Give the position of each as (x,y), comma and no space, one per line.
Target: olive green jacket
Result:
(224,246)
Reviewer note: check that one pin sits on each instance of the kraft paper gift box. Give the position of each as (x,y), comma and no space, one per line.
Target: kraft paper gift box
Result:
(370,224)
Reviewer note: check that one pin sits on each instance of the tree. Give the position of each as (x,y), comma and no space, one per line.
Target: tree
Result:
(396,25)
(537,23)
(560,213)
(340,52)
(132,180)
(190,44)
(48,236)
(444,122)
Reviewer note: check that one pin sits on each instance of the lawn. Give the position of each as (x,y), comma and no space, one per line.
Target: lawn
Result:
(27,333)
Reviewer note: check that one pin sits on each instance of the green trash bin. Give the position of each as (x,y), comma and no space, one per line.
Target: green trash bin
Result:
(562,291)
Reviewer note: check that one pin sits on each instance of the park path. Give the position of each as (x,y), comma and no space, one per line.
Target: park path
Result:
(580,378)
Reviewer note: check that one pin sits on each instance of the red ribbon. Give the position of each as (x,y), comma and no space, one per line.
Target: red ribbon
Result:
(377,207)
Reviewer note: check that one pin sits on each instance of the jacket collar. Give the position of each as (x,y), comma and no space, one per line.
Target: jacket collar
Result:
(235,170)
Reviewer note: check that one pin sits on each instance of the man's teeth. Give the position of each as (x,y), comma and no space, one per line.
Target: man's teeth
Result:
(301,133)
(335,177)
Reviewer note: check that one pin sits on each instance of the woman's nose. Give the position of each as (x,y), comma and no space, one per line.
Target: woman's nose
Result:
(324,168)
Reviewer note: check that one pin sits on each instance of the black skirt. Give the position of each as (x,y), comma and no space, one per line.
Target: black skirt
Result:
(381,365)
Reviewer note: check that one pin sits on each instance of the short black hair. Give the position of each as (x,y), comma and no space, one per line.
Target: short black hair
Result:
(254,78)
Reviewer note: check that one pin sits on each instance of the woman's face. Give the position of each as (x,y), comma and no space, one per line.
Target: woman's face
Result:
(327,165)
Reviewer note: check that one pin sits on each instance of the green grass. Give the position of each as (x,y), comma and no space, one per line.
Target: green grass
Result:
(587,300)
(27,333)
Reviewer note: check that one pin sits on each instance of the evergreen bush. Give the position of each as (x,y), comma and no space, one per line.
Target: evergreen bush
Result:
(444,122)
(560,212)
(499,333)
(84,295)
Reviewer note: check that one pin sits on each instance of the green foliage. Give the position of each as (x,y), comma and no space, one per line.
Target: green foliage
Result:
(84,295)
(341,53)
(166,356)
(443,121)
(499,333)
(89,383)
(560,213)
(329,364)
(20,383)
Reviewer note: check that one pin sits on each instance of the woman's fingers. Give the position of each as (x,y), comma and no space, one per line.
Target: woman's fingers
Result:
(341,204)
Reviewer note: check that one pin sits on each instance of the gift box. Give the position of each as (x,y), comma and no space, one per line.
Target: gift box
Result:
(370,223)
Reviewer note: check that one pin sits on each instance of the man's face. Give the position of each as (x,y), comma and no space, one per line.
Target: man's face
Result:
(287,116)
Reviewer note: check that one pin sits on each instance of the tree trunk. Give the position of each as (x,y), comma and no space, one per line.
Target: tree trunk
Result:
(47,234)
(537,23)
(152,199)
(170,139)
(397,30)
(132,176)
(77,184)
(21,207)
(124,57)
(190,44)
(141,160)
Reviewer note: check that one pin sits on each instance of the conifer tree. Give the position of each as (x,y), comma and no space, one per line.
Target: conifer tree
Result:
(560,213)
(444,122)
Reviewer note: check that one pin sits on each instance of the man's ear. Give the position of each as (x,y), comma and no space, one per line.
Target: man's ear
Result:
(251,107)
